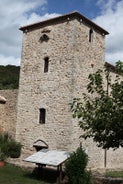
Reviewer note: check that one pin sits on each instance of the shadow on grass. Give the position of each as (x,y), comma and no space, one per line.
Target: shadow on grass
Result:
(47,175)
(16,175)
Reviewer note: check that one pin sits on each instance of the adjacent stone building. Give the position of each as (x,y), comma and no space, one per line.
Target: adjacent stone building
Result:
(57,56)
(8,111)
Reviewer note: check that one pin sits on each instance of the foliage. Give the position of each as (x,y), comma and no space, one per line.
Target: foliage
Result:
(119,67)
(2,156)
(75,167)
(4,140)
(14,149)
(9,147)
(100,114)
(9,77)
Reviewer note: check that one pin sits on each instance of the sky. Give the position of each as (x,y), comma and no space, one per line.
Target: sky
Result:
(16,13)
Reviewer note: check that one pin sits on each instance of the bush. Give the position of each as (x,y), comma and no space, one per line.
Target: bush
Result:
(14,149)
(4,142)
(9,147)
(75,168)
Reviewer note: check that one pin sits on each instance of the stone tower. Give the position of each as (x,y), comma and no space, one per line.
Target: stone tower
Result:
(57,56)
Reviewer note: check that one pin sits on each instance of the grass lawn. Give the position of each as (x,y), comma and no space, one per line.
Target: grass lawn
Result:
(10,174)
(114,174)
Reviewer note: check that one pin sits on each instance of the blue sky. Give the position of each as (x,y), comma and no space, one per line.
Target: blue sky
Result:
(64,6)
(106,13)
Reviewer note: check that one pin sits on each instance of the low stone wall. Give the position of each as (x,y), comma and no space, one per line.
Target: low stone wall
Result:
(107,180)
(8,111)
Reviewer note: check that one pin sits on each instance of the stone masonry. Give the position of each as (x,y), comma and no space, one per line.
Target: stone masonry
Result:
(74,47)
(70,55)
(8,112)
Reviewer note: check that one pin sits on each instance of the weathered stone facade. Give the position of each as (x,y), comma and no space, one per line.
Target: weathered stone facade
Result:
(71,56)
(8,111)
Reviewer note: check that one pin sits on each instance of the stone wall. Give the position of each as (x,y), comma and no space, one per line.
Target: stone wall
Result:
(70,57)
(8,111)
(96,155)
(107,180)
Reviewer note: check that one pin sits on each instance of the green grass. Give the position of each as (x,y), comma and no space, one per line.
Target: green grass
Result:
(11,174)
(114,174)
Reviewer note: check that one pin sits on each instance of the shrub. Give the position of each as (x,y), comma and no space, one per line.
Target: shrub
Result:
(9,147)
(4,142)
(14,149)
(75,168)
(2,156)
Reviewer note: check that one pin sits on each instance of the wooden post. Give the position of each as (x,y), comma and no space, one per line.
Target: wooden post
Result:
(59,174)
(58,178)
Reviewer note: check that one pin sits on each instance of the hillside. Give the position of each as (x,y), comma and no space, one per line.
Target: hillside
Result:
(9,77)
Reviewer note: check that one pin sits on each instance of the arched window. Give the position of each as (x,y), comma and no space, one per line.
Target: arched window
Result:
(90,35)
(42,115)
(46,64)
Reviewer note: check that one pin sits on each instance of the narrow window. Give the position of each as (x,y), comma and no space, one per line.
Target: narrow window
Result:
(46,64)
(42,116)
(90,35)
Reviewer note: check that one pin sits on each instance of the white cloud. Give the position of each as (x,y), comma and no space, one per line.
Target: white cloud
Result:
(36,18)
(4,60)
(13,14)
(111,19)
(16,13)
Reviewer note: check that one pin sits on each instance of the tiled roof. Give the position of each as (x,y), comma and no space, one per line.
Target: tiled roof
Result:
(66,17)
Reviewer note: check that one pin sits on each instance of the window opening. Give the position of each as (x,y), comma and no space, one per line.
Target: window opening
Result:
(44,38)
(40,144)
(46,64)
(42,116)
(2,100)
(90,35)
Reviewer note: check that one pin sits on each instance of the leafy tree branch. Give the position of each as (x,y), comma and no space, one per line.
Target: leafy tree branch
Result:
(100,113)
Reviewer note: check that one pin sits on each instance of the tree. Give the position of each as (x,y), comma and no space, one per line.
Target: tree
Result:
(100,113)
(9,77)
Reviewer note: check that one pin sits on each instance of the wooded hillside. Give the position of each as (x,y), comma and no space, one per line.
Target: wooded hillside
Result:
(9,77)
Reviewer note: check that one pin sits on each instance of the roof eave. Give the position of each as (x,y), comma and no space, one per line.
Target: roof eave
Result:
(65,17)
